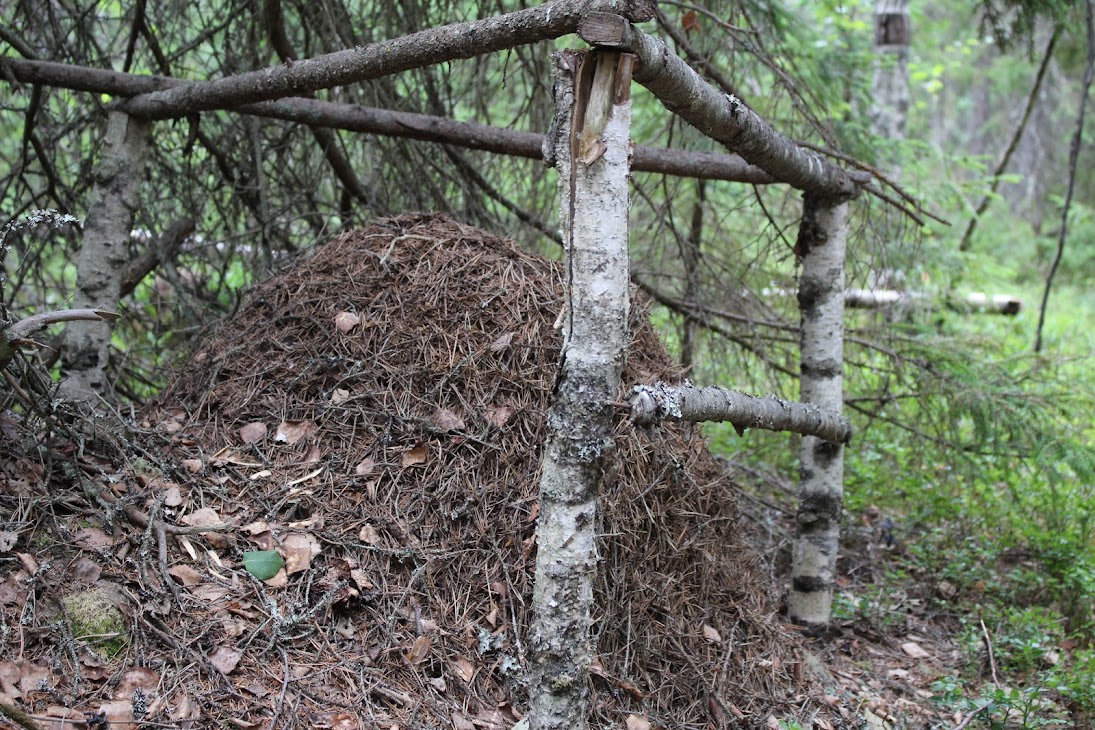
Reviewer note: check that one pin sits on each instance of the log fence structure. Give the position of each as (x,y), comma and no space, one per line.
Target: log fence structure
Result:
(590,149)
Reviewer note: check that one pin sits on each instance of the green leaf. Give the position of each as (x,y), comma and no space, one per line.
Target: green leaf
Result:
(263,564)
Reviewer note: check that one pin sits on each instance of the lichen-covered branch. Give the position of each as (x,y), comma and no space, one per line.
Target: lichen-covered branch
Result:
(651,403)
(821,243)
(591,150)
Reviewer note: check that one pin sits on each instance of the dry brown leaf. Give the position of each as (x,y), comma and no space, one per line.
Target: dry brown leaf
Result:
(93,537)
(225,659)
(344,721)
(292,432)
(361,580)
(346,321)
(192,465)
(416,455)
(172,497)
(339,396)
(185,575)
(502,342)
(914,650)
(463,669)
(253,433)
(142,678)
(300,548)
(711,634)
(499,416)
(209,594)
(204,517)
(368,535)
(366,467)
(312,455)
(32,677)
(447,420)
(419,649)
(459,722)
(637,722)
(185,709)
(13,589)
(280,580)
(85,570)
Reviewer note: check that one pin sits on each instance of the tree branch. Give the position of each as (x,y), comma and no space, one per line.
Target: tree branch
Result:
(424,48)
(353,118)
(652,403)
(723,117)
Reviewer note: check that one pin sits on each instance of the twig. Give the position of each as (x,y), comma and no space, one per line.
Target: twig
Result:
(969,718)
(1073,158)
(992,659)
(1002,166)
(284,688)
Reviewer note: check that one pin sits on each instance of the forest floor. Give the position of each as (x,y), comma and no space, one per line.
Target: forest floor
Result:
(327,520)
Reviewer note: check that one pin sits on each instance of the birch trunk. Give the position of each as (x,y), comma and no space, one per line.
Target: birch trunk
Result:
(821,242)
(591,150)
(104,255)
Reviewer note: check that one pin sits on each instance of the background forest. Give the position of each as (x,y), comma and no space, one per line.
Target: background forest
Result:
(976,452)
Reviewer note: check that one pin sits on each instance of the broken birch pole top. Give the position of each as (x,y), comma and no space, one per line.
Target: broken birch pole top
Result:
(722,117)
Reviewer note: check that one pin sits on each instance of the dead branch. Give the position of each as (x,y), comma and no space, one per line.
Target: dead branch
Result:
(651,403)
(370,120)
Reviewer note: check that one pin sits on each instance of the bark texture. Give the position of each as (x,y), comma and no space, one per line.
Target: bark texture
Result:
(104,255)
(591,152)
(821,241)
(425,48)
(354,118)
(651,403)
(723,117)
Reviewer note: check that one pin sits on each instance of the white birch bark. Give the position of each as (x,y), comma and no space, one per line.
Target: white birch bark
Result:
(104,255)
(651,403)
(593,116)
(821,241)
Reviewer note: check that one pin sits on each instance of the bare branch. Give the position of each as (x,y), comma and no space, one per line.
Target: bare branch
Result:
(651,403)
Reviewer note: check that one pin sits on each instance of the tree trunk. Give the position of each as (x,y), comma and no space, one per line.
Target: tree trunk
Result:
(102,262)
(593,115)
(890,89)
(821,242)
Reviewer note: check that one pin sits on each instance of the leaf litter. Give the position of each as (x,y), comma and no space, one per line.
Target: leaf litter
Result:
(424,430)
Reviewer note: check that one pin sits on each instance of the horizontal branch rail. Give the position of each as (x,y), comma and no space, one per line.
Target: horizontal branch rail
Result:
(353,118)
(722,117)
(652,403)
(424,48)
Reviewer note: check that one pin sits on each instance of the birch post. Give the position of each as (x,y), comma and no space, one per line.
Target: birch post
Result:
(104,255)
(821,242)
(591,152)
